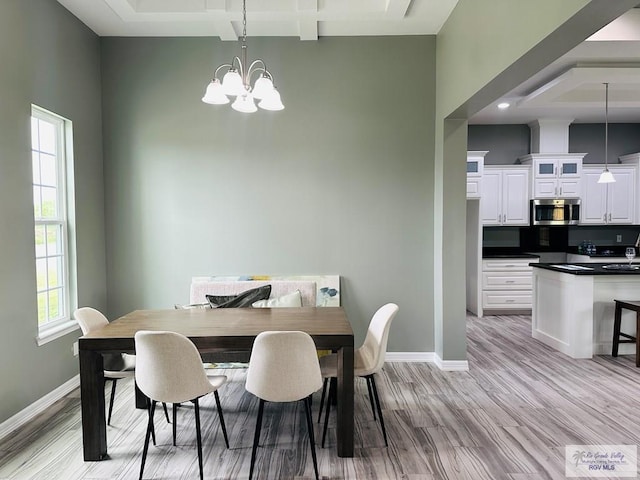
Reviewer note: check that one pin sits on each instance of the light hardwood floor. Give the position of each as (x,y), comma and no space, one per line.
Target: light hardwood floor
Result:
(509,417)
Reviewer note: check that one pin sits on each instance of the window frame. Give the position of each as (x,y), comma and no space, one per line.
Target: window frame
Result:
(52,329)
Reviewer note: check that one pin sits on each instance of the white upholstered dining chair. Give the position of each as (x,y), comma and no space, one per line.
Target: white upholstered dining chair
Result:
(116,365)
(368,360)
(283,368)
(169,369)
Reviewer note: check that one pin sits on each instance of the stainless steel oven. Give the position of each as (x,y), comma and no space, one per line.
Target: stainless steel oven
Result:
(555,211)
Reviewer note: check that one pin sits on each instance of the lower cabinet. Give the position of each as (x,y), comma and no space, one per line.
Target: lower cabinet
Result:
(507,283)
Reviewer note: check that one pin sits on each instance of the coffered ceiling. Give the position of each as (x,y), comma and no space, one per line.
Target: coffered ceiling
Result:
(306,19)
(572,87)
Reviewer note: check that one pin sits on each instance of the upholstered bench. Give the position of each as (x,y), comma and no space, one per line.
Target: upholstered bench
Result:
(315,290)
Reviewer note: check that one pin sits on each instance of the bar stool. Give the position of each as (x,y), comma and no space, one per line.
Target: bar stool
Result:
(629,305)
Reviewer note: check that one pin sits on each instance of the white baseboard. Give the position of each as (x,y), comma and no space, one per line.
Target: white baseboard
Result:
(410,357)
(37,407)
(428,357)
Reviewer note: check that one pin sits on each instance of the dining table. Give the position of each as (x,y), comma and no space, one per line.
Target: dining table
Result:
(214,330)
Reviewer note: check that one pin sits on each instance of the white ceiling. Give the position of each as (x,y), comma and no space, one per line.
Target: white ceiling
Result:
(572,87)
(306,19)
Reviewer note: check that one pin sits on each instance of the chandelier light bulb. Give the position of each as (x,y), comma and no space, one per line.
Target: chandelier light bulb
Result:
(214,94)
(244,104)
(262,88)
(232,83)
(272,102)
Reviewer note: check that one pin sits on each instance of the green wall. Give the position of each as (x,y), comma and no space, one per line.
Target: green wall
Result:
(48,58)
(337,183)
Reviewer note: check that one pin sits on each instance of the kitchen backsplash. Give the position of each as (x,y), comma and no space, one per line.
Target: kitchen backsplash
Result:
(558,238)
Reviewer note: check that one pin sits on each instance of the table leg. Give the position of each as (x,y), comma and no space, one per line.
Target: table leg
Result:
(344,422)
(94,429)
(637,338)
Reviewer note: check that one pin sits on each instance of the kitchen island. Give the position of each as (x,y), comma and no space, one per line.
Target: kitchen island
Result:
(573,306)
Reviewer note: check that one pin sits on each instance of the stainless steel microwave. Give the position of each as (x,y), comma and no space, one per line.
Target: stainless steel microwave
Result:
(555,211)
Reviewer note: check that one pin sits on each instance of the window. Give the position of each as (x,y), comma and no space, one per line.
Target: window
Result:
(50,135)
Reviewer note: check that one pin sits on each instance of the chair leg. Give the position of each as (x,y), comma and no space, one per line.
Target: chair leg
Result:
(113,395)
(373,408)
(222,425)
(175,422)
(198,435)
(375,393)
(256,437)
(324,392)
(153,428)
(617,319)
(166,413)
(312,441)
(150,411)
(327,412)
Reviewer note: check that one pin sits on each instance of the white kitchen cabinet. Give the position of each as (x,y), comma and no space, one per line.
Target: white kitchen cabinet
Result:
(505,195)
(633,160)
(507,283)
(556,175)
(608,203)
(475,168)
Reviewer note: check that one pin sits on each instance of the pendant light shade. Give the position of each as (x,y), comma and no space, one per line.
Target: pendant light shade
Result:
(214,94)
(244,104)
(236,82)
(606,176)
(271,101)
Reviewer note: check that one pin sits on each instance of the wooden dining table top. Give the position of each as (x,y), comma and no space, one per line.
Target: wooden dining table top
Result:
(328,326)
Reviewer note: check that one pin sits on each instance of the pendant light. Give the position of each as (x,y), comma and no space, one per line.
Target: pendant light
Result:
(236,82)
(606,176)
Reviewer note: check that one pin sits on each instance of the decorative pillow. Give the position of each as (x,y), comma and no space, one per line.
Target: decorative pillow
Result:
(290,300)
(243,300)
(192,306)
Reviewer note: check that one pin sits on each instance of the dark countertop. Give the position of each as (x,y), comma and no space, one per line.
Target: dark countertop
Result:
(506,252)
(588,268)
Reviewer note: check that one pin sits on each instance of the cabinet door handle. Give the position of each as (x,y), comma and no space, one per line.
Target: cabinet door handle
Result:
(604,218)
(510,300)
(510,281)
(609,217)
(560,191)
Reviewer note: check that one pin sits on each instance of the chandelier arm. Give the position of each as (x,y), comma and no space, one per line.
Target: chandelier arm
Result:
(258,66)
(238,63)
(215,74)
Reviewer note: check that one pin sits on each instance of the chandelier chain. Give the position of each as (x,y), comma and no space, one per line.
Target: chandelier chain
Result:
(244,20)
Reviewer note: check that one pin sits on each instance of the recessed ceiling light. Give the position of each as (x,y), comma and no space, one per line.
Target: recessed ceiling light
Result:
(503,105)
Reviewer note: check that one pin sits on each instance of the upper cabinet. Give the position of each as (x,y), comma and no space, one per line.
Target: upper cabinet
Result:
(608,203)
(475,167)
(505,196)
(555,175)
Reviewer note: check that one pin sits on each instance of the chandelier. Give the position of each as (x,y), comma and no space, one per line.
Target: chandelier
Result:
(606,176)
(237,81)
